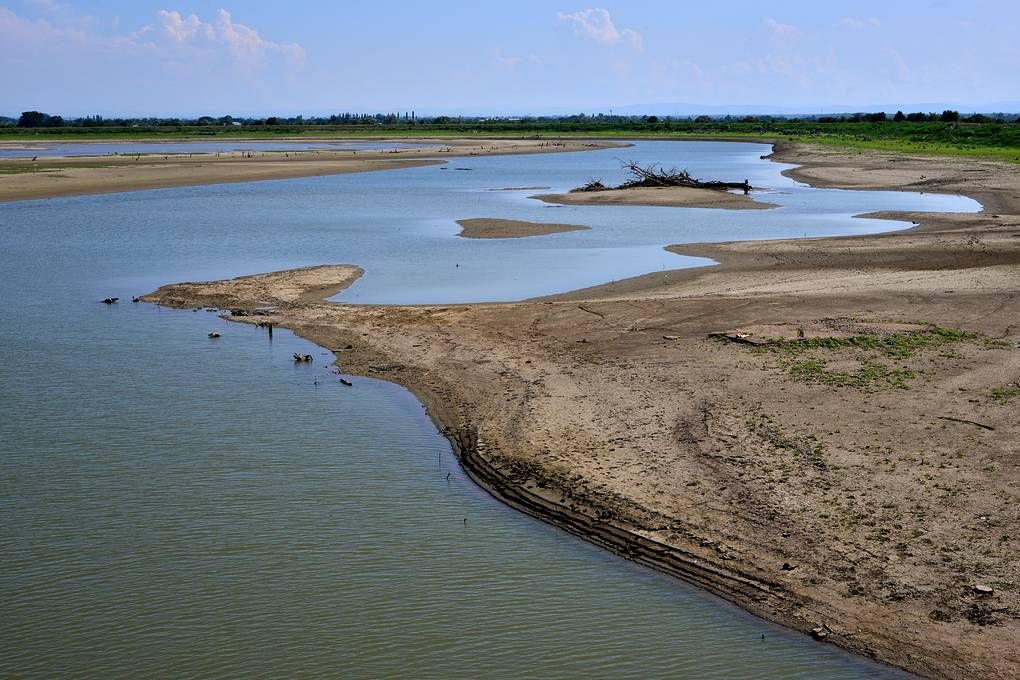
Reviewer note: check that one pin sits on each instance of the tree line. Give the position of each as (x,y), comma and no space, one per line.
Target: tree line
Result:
(38,119)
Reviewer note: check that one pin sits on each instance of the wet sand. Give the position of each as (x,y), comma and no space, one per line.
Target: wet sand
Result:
(670,197)
(863,490)
(52,176)
(484,227)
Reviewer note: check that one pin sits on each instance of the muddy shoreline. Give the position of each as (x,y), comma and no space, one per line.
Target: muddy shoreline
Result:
(815,502)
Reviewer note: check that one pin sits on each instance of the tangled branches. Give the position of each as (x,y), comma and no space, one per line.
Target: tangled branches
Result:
(656,176)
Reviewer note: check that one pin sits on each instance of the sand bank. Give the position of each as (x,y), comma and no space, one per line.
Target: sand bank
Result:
(485,227)
(670,197)
(861,488)
(48,177)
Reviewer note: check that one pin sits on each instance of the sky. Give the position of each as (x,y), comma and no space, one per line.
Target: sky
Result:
(288,57)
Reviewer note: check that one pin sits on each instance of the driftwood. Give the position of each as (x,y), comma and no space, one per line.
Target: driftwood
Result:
(655,176)
(593,185)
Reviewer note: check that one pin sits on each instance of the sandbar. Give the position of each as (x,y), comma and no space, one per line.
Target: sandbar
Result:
(53,176)
(673,197)
(487,227)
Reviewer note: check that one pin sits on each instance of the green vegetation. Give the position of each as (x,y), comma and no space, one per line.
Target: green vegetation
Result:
(871,376)
(809,360)
(38,119)
(996,137)
(896,345)
(17,169)
(1003,394)
(51,167)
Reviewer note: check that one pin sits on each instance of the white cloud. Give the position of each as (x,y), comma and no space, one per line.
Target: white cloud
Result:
(173,38)
(852,24)
(512,62)
(244,43)
(781,32)
(15,29)
(596,24)
(181,30)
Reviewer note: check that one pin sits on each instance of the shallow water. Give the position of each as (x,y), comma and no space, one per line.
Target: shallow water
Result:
(29,149)
(174,506)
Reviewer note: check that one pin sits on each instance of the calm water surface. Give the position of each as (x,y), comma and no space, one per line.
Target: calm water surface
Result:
(172,506)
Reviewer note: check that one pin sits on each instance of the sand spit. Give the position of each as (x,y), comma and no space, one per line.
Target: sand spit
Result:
(48,177)
(485,227)
(852,473)
(670,197)
(286,287)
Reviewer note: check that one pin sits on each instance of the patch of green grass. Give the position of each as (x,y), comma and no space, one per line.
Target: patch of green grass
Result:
(23,169)
(808,359)
(54,167)
(1001,395)
(896,345)
(871,376)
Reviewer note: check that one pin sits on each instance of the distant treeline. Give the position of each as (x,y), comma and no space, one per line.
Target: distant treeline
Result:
(990,135)
(38,119)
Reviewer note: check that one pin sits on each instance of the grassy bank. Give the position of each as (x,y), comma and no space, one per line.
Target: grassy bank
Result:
(992,140)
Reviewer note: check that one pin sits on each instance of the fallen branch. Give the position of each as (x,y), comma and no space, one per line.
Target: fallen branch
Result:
(655,176)
(967,422)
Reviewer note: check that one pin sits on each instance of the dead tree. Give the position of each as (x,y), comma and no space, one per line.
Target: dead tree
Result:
(656,177)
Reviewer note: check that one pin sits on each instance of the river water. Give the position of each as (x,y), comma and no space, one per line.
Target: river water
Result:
(173,506)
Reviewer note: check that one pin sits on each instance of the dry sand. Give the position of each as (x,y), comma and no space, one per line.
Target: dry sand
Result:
(73,176)
(864,489)
(670,197)
(485,227)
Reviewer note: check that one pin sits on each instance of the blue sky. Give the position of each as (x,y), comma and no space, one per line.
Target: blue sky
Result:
(436,56)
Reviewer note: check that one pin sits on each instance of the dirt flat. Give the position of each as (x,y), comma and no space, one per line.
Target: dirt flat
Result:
(485,227)
(852,472)
(670,197)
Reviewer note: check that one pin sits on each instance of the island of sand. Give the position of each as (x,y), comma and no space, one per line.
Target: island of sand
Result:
(822,431)
(487,227)
(670,197)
